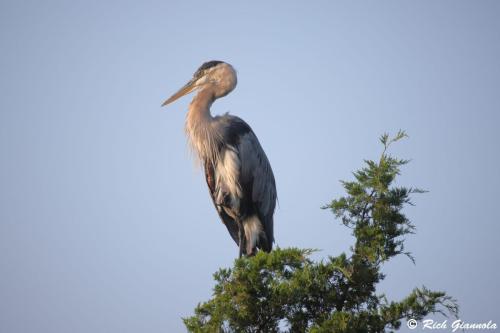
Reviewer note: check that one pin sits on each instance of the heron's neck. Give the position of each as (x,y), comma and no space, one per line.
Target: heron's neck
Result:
(199,109)
(199,128)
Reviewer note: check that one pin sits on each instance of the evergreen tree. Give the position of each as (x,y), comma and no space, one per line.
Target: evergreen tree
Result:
(286,291)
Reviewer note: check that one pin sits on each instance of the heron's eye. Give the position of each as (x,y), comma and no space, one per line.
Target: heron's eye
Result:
(200,74)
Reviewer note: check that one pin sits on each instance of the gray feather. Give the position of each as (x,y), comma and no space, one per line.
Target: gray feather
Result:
(256,170)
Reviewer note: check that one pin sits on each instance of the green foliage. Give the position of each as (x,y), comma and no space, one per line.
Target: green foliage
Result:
(285,291)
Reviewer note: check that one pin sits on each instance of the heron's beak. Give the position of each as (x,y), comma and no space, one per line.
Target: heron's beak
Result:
(190,86)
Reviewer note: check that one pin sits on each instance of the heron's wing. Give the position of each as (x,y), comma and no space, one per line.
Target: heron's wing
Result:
(230,224)
(257,176)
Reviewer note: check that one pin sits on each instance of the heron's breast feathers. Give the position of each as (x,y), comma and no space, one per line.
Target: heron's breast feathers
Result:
(227,178)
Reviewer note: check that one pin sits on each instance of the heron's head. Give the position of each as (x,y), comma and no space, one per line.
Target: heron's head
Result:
(218,76)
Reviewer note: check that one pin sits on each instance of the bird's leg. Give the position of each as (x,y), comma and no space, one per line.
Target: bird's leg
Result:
(241,244)
(241,235)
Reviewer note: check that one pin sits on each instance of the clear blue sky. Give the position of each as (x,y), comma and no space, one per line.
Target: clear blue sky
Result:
(105,222)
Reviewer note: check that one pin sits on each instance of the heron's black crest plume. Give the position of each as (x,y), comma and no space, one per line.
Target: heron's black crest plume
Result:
(209,64)
(205,66)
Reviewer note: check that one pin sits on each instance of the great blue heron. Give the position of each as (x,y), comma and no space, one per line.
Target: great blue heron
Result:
(238,173)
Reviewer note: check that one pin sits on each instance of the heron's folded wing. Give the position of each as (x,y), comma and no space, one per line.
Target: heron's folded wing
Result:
(256,170)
